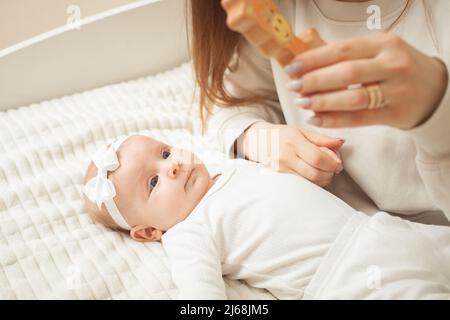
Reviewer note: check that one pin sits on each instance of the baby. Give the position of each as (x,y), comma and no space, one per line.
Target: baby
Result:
(155,186)
(274,231)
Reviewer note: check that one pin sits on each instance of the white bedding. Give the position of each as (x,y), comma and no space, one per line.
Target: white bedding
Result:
(49,247)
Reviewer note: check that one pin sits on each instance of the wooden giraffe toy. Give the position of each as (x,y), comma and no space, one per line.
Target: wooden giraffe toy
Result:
(263,25)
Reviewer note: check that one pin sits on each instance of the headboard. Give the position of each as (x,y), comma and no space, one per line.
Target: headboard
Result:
(135,40)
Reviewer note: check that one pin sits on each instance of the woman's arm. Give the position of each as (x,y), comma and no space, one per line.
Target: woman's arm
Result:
(415,87)
(254,132)
(253,76)
(432,140)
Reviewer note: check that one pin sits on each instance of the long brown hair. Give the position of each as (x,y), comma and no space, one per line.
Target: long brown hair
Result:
(212,47)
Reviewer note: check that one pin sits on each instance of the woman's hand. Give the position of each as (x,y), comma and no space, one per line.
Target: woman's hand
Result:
(293,150)
(413,83)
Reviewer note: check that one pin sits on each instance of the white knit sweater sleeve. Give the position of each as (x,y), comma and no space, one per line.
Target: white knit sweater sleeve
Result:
(433,154)
(251,76)
(195,262)
(432,138)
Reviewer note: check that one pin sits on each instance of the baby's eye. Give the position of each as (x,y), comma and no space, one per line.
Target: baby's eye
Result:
(154,181)
(166,154)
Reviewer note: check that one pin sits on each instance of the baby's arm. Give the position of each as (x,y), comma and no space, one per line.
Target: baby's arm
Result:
(195,262)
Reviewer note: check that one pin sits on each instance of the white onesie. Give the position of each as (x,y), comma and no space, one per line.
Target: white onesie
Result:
(287,235)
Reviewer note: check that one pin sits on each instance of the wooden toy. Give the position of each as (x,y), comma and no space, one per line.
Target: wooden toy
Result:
(263,25)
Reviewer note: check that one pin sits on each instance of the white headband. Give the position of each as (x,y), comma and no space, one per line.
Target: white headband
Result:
(100,189)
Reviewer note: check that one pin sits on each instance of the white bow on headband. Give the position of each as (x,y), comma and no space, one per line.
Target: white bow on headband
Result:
(100,189)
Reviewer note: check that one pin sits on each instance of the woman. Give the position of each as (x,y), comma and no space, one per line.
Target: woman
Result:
(385,91)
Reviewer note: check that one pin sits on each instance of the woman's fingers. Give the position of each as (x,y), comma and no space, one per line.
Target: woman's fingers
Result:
(343,100)
(316,158)
(317,176)
(322,140)
(335,155)
(332,53)
(308,154)
(353,119)
(340,76)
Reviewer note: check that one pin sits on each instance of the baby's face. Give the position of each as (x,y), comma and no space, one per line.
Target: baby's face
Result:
(157,186)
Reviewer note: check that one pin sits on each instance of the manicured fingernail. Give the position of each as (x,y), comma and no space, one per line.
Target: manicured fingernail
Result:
(295,85)
(315,121)
(339,170)
(303,102)
(294,67)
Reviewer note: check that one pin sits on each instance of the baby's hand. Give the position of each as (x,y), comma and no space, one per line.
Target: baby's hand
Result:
(308,154)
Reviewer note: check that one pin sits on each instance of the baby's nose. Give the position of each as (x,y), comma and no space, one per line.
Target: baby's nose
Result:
(174,169)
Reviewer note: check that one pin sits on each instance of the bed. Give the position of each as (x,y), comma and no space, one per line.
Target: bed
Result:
(49,247)
(62,95)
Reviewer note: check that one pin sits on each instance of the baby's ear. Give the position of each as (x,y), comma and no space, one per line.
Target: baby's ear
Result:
(145,234)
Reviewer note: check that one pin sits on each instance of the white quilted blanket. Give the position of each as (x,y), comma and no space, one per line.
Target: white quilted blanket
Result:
(49,247)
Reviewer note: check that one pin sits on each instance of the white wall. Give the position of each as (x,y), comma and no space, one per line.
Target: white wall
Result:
(23,19)
(132,44)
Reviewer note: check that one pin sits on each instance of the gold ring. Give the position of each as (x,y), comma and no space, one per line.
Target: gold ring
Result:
(376,97)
